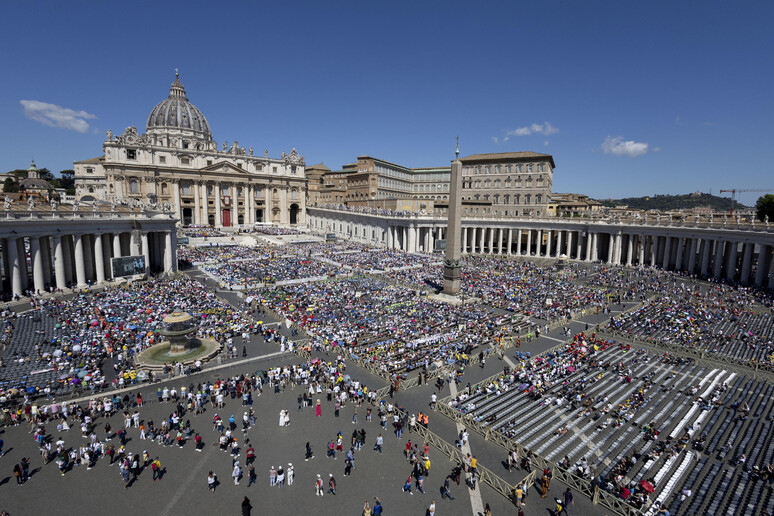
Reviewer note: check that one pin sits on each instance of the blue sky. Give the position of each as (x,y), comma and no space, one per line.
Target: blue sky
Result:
(630,98)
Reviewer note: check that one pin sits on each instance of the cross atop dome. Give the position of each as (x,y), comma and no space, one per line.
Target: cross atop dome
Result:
(177,90)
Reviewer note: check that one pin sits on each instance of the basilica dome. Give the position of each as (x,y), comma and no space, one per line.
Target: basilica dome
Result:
(176,113)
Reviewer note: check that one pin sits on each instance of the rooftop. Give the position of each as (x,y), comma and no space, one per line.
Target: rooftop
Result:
(504,156)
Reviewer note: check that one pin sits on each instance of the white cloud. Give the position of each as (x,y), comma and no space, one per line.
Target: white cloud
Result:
(545,143)
(495,139)
(619,147)
(57,116)
(545,129)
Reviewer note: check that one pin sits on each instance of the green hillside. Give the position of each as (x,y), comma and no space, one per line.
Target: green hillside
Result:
(675,202)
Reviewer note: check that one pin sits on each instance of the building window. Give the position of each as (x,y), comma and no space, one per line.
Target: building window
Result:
(508,168)
(497,183)
(91,189)
(185,145)
(497,169)
(274,169)
(496,199)
(163,188)
(89,170)
(516,198)
(508,183)
(486,197)
(224,190)
(506,199)
(209,162)
(487,184)
(185,161)
(162,159)
(527,198)
(131,154)
(134,187)
(529,167)
(538,199)
(186,189)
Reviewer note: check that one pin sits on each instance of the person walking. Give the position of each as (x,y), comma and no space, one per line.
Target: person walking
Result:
(318,486)
(211,481)
(290,473)
(331,484)
(246,507)
(431,509)
(445,490)
(236,473)
(379,443)
(568,500)
(252,476)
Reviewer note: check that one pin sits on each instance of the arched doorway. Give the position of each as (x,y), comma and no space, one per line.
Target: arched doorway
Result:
(211,220)
(187,216)
(294,213)
(241,219)
(259,215)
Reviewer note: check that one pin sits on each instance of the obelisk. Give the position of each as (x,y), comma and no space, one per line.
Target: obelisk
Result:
(452,265)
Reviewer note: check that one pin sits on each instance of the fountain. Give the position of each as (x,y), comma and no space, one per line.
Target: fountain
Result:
(178,346)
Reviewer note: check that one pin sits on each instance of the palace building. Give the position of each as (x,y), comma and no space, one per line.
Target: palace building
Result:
(176,163)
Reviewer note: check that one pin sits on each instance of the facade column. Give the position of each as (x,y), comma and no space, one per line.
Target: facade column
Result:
(176,200)
(706,246)
(500,241)
(99,261)
(629,250)
(205,217)
(14,267)
(692,256)
(510,241)
(680,252)
(36,258)
(529,243)
(80,264)
(412,240)
(762,266)
(640,250)
(747,252)
(481,235)
(578,244)
(718,263)
(389,237)
(491,240)
(218,212)
(518,242)
(197,218)
(731,270)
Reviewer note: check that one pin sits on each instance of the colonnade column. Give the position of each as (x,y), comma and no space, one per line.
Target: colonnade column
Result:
(510,242)
(464,240)
(718,264)
(589,240)
(539,243)
(36,257)
(610,248)
(629,250)
(549,242)
(559,242)
(706,246)
(168,251)
(763,264)
(59,263)
(146,250)
(14,266)
(747,252)
(692,256)
(80,265)
(579,245)
(518,242)
(731,270)
(45,250)
(665,262)
(680,251)
(529,242)
(176,198)
(500,240)
(99,259)
(640,250)
(412,243)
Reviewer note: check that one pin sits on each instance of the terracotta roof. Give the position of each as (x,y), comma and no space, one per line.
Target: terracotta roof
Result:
(502,156)
(319,166)
(92,160)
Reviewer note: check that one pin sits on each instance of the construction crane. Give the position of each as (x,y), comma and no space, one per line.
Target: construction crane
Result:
(733,192)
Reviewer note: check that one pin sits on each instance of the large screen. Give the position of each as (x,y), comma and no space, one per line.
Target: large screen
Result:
(128,266)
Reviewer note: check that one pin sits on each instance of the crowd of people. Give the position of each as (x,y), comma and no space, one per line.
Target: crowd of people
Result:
(202,231)
(249,273)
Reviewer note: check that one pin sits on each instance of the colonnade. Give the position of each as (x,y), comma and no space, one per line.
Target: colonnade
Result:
(57,253)
(734,254)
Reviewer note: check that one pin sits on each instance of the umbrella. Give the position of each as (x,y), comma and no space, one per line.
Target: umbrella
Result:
(30,390)
(647,486)
(82,373)
(75,381)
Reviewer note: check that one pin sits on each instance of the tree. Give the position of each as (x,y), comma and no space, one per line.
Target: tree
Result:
(66,179)
(10,186)
(765,207)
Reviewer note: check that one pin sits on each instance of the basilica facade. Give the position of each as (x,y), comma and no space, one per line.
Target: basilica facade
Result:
(176,164)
